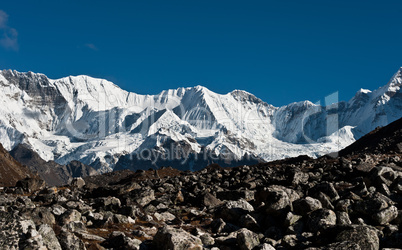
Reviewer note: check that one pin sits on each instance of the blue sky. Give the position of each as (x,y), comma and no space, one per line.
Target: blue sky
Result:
(281,51)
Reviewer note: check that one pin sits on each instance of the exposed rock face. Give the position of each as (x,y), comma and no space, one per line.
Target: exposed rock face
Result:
(54,174)
(11,171)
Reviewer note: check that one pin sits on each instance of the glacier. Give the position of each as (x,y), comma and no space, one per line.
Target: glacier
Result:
(96,122)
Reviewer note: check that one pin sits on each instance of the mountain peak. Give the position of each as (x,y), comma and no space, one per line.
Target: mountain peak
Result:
(94,121)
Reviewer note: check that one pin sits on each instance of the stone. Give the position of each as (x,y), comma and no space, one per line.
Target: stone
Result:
(175,239)
(208,200)
(220,226)
(246,239)
(366,237)
(143,196)
(275,198)
(249,222)
(267,246)
(306,205)
(291,219)
(297,177)
(31,184)
(71,215)
(342,218)
(290,240)
(233,210)
(344,245)
(386,215)
(108,203)
(69,241)
(165,216)
(320,219)
(49,237)
(78,182)
(207,240)
(43,215)
(118,240)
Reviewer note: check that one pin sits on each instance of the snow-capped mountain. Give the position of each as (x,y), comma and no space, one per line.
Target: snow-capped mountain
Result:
(94,121)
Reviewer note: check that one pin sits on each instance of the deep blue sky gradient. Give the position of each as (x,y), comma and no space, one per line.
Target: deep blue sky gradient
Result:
(282,51)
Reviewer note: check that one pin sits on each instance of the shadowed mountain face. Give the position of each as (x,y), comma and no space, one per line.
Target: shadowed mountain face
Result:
(54,174)
(11,171)
(382,140)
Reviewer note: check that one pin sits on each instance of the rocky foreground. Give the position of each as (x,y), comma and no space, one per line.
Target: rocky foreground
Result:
(342,203)
(352,200)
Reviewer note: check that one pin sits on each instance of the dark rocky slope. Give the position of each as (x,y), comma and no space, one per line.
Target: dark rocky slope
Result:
(382,140)
(10,170)
(54,174)
(348,202)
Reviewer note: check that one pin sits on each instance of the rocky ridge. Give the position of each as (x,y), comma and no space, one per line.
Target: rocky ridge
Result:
(348,202)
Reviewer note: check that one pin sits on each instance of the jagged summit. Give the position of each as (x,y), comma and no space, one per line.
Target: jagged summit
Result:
(95,121)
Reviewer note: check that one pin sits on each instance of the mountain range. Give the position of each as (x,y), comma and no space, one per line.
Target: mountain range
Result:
(99,124)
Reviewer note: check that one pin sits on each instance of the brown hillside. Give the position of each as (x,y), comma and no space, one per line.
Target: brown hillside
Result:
(10,170)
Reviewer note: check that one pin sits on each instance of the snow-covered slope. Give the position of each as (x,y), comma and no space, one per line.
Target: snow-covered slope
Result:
(94,121)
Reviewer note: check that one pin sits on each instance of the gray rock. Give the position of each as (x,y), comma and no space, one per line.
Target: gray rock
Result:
(77,182)
(220,226)
(71,215)
(108,203)
(233,210)
(320,219)
(291,219)
(249,222)
(226,241)
(32,240)
(246,239)
(266,246)
(289,240)
(58,210)
(31,184)
(120,219)
(69,241)
(165,216)
(306,205)
(87,236)
(325,200)
(366,237)
(208,200)
(49,237)
(207,240)
(386,215)
(118,240)
(342,218)
(175,239)
(143,196)
(344,245)
(43,215)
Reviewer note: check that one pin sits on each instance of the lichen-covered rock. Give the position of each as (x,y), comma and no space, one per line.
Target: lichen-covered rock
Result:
(366,237)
